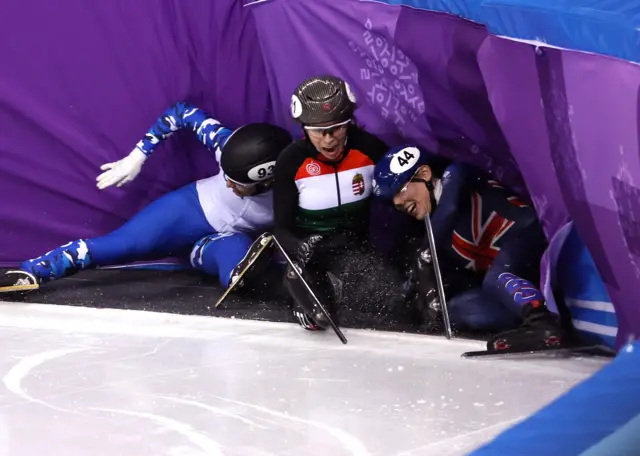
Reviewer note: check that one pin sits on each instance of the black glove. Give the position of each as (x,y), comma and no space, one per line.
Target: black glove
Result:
(306,249)
(408,288)
(429,310)
(303,255)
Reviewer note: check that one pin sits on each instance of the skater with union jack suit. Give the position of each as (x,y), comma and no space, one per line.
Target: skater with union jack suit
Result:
(489,243)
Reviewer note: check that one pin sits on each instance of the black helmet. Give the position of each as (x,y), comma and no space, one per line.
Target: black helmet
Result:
(249,155)
(322,99)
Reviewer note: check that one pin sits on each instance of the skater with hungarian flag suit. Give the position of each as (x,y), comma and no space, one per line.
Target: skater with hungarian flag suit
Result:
(322,195)
(489,244)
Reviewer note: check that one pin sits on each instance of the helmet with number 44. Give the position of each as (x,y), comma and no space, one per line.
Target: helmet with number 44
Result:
(401,167)
(397,168)
(249,156)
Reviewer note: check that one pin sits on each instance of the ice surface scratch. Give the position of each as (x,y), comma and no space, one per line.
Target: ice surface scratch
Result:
(146,354)
(209,446)
(13,379)
(351,443)
(216,410)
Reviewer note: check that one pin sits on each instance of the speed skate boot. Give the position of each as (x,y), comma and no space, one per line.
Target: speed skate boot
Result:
(18,281)
(306,321)
(328,289)
(255,261)
(540,329)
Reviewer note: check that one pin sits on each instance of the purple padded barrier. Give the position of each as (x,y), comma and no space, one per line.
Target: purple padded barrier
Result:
(81,82)
(502,105)
(510,74)
(601,179)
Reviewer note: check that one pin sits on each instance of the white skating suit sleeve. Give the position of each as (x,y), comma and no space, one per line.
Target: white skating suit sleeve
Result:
(183,115)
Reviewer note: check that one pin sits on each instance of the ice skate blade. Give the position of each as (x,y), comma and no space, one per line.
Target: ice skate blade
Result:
(14,288)
(550,352)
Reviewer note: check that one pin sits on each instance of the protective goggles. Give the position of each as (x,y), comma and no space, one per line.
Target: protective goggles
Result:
(327,130)
(240,184)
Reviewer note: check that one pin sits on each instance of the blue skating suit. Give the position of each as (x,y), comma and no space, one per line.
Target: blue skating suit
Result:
(204,220)
(490,244)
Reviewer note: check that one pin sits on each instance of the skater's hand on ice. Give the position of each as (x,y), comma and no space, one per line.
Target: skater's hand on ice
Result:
(122,171)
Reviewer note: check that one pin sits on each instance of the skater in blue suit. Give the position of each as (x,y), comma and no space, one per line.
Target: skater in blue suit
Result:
(212,221)
(485,236)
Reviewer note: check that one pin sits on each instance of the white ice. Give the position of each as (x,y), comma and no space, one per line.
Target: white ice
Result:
(80,381)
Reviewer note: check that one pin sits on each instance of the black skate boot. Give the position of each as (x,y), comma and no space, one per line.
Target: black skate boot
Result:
(307,321)
(18,281)
(327,288)
(254,262)
(541,329)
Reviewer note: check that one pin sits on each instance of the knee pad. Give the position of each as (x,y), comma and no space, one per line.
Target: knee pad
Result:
(196,257)
(197,252)
(205,258)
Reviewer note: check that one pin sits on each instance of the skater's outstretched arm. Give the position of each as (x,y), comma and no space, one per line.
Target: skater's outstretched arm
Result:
(208,130)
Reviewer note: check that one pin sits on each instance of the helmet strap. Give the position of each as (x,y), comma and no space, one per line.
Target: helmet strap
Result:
(263,187)
(432,192)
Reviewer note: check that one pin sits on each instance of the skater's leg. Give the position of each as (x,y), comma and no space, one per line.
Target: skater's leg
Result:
(511,281)
(168,226)
(325,286)
(318,275)
(474,310)
(512,278)
(221,255)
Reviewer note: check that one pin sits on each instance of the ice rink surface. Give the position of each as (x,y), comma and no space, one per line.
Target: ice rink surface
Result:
(80,381)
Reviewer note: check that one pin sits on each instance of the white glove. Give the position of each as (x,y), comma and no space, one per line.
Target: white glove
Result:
(122,171)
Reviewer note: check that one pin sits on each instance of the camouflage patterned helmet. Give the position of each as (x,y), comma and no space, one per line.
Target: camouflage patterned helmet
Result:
(322,99)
